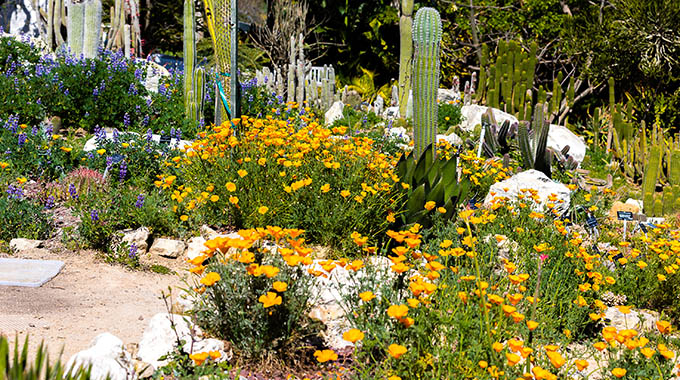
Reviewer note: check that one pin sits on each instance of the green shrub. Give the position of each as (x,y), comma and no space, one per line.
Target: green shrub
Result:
(448,116)
(34,152)
(277,175)
(257,299)
(22,218)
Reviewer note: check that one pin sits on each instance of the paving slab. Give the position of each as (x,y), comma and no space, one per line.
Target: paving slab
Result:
(28,273)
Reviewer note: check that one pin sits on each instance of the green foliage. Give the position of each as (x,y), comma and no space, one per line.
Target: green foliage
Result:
(22,218)
(17,366)
(448,116)
(34,152)
(98,224)
(259,302)
(429,179)
(303,176)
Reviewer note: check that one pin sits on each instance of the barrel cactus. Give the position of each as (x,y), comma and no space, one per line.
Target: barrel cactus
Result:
(427,35)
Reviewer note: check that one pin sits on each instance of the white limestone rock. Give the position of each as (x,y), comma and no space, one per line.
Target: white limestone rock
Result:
(334,113)
(107,358)
(195,247)
(167,248)
(472,116)
(451,138)
(19,244)
(531,179)
(560,136)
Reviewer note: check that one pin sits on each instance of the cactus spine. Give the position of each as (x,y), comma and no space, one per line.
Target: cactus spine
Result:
(427,35)
(405,53)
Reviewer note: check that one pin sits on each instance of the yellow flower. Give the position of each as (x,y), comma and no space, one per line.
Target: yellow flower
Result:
(280,286)
(619,372)
(441,210)
(184,218)
(394,377)
(555,359)
(497,346)
(430,205)
(581,364)
(345,193)
(3,165)
(214,198)
(390,217)
(325,188)
(353,335)
(366,296)
(325,356)
(624,309)
(532,325)
(66,149)
(231,187)
(397,311)
(396,350)
(242,173)
(663,326)
(270,299)
(263,210)
(125,145)
(210,279)
(661,277)
(233,200)
(199,357)
(101,151)
(21,180)
(512,358)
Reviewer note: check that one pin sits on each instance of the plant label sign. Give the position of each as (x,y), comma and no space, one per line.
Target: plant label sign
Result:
(625,215)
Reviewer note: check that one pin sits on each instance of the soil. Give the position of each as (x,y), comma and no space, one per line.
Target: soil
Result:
(87,298)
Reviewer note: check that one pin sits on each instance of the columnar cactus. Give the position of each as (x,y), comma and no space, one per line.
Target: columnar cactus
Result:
(189,54)
(76,27)
(427,35)
(84,27)
(291,71)
(405,53)
(92,28)
(300,72)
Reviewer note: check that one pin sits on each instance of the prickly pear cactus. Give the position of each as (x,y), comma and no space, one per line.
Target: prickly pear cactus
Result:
(427,35)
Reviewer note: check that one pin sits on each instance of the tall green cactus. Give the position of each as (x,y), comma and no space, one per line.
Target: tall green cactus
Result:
(84,27)
(649,181)
(76,27)
(189,56)
(405,53)
(427,35)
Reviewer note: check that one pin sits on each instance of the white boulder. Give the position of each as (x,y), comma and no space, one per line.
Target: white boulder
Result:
(398,132)
(447,96)
(635,319)
(19,244)
(107,358)
(451,138)
(195,247)
(91,144)
(334,113)
(138,237)
(560,136)
(159,338)
(167,248)
(472,116)
(531,179)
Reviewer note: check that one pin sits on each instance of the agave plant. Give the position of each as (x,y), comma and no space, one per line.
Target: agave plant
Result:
(17,367)
(430,179)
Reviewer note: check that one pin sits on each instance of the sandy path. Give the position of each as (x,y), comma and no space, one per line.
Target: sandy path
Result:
(87,298)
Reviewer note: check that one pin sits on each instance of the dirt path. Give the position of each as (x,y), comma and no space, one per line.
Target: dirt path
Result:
(87,298)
